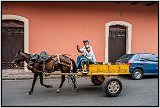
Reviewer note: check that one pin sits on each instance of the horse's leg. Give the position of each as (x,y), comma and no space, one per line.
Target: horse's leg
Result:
(33,83)
(41,81)
(62,81)
(76,88)
(74,83)
(74,66)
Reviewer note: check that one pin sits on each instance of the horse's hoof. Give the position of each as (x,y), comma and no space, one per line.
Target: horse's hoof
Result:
(57,91)
(29,93)
(49,86)
(76,89)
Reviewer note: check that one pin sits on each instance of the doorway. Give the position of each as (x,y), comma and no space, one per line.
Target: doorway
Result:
(12,41)
(117,42)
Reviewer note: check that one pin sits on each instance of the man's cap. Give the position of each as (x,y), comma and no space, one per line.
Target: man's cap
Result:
(86,41)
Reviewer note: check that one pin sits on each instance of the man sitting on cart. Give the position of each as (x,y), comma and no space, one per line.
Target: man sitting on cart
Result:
(82,50)
(87,58)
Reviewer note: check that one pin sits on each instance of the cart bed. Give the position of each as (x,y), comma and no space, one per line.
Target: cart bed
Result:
(105,69)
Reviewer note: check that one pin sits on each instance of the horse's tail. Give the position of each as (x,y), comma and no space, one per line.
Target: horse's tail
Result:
(74,70)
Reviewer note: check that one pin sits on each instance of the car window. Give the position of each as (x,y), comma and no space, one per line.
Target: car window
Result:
(126,57)
(147,57)
(154,58)
(141,56)
(137,58)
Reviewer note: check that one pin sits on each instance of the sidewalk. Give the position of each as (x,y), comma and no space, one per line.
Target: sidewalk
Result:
(19,74)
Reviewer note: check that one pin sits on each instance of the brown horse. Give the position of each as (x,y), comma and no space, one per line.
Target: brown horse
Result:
(56,62)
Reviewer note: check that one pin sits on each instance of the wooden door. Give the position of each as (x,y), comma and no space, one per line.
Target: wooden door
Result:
(117,42)
(12,41)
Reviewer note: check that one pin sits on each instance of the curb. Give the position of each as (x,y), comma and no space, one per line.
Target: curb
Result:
(13,74)
(20,74)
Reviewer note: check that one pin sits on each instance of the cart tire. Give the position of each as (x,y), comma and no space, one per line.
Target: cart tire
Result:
(137,74)
(97,79)
(112,87)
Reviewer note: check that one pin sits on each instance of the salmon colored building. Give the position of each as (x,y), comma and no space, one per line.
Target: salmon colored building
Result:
(113,28)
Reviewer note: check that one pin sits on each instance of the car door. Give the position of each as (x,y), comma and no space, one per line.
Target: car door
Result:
(149,66)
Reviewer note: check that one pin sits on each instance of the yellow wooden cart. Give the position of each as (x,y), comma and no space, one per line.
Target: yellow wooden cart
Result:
(112,86)
(105,69)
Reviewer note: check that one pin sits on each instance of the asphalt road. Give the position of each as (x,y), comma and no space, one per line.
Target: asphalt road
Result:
(134,93)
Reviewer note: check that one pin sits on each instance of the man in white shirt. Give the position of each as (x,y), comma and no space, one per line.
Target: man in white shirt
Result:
(82,51)
(88,58)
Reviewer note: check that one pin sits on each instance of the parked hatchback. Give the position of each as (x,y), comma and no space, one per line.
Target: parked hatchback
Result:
(140,64)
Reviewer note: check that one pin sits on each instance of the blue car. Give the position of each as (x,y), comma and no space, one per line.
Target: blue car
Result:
(140,64)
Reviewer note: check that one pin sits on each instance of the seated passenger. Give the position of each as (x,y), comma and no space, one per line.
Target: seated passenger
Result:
(87,58)
(82,50)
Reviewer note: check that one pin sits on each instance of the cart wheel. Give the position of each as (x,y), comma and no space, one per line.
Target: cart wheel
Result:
(112,87)
(97,79)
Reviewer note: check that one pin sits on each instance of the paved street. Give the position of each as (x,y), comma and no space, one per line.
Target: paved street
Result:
(134,93)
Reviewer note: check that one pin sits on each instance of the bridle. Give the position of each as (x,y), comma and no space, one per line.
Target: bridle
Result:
(16,61)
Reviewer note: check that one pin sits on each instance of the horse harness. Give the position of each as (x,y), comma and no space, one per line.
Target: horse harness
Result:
(62,63)
(57,62)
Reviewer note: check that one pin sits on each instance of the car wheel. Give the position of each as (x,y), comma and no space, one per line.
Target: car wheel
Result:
(137,74)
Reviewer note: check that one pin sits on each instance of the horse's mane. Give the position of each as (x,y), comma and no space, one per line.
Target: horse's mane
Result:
(26,53)
(29,55)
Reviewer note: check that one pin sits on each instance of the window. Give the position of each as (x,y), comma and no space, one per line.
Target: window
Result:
(126,57)
(137,58)
(150,57)
(146,56)
(154,58)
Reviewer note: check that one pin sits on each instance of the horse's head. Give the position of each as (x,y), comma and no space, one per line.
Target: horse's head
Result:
(18,58)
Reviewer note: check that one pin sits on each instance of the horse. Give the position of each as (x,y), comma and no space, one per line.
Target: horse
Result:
(56,62)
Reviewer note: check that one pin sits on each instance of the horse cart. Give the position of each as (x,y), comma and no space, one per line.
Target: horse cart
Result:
(112,86)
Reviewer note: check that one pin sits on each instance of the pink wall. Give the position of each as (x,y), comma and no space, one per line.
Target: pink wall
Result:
(58,27)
